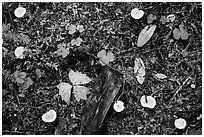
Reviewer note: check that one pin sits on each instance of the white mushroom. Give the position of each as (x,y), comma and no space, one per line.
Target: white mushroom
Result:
(20,12)
(148,101)
(19,52)
(118,106)
(49,116)
(180,123)
(136,13)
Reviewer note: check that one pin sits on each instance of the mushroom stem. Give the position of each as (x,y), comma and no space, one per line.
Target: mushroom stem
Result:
(146,99)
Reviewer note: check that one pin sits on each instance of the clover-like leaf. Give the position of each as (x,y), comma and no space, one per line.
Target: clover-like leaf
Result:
(151,18)
(27,83)
(72,29)
(145,35)
(62,50)
(180,33)
(65,91)
(80,28)
(78,78)
(80,92)
(76,42)
(105,57)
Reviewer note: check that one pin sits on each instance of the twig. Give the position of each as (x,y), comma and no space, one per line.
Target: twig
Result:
(179,88)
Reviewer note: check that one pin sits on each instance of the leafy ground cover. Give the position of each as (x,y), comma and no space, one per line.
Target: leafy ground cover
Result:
(65,46)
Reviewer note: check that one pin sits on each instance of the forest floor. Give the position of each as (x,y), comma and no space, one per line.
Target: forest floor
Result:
(29,84)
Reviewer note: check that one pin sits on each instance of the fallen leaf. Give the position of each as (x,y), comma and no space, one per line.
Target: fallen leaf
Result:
(145,35)
(65,91)
(80,92)
(160,76)
(78,78)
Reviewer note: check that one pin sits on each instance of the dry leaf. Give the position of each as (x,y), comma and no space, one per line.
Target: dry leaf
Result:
(78,78)
(145,35)
(80,92)
(65,91)
(161,76)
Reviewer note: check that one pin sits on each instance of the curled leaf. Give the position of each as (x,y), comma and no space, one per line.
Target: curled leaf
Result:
(145,35)
(170,18)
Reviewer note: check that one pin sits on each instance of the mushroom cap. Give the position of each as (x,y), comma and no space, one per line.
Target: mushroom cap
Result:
(49,116)
(151,102)
(118,106)
(19,52)
(180,123)
(136,13)
(20,12)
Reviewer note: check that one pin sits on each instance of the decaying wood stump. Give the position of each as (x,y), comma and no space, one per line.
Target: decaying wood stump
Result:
(103,93)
